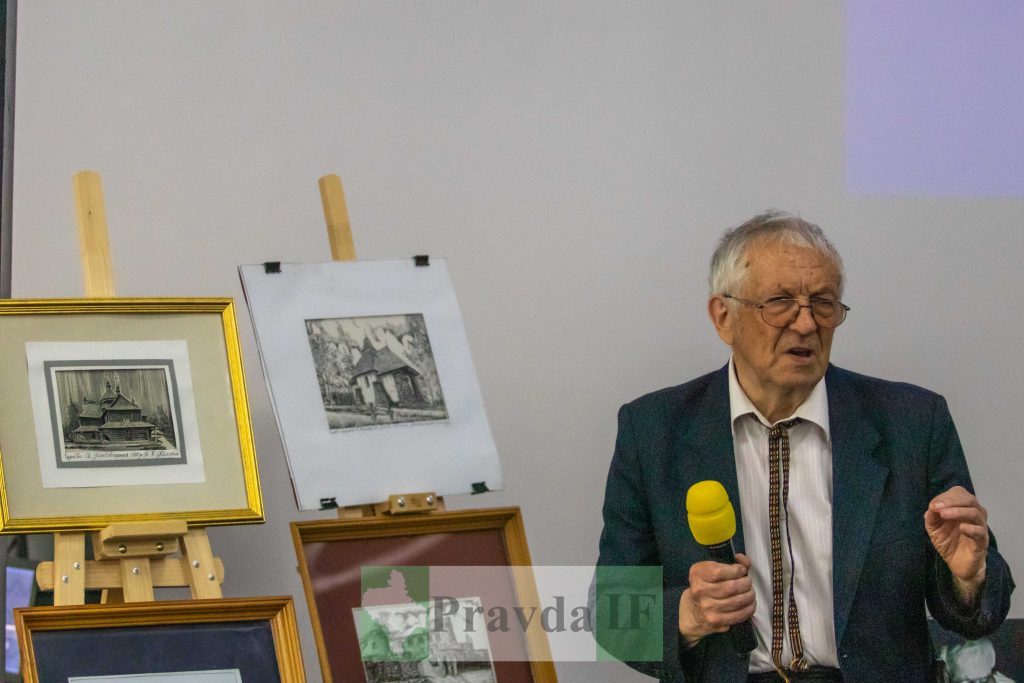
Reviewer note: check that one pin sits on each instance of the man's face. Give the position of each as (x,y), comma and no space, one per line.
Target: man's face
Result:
(772,361)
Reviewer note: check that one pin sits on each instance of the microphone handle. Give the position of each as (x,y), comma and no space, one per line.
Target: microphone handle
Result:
(742,634)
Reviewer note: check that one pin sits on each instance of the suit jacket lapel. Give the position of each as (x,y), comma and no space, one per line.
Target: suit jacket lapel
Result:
(709,434)
(709,437)
(857,483)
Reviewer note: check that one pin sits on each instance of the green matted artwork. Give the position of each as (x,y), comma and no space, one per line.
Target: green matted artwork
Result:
(118,410)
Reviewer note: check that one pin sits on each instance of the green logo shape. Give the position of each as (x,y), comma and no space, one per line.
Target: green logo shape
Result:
(392,623)
(629,614)
(414,581)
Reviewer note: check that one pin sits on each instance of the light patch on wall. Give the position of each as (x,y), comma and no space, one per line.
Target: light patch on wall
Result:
(935,97)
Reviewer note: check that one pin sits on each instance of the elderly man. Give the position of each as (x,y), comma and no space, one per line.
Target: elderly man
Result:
(855,508)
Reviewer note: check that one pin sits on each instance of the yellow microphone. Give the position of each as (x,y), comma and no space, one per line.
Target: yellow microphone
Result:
(712,519)
(713,524)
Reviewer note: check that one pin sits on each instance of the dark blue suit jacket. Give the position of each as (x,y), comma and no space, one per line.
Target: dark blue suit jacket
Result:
(894,448)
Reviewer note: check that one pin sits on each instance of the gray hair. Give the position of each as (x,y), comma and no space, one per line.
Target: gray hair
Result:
(728,269)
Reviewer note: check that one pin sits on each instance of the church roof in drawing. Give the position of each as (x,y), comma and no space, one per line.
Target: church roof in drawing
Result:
(123,403)
(381,361)
(94,410)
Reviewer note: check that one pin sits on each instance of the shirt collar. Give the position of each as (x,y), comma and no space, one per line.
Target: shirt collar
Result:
(814,409)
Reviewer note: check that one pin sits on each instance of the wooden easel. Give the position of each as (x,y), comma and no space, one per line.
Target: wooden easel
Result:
(339,233)
(343,248)
(131,557)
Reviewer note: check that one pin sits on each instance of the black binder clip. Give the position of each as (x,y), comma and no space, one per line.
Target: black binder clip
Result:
(328,503)
(479,487)
(271,267)
(421,260)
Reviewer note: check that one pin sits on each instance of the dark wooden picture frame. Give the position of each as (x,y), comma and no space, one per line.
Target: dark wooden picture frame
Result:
(331,554)
(257,636)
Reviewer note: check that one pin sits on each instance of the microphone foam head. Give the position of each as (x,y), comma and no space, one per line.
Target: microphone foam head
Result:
(711,516)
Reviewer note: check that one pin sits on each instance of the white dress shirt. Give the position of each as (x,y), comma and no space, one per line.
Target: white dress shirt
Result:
(810,523)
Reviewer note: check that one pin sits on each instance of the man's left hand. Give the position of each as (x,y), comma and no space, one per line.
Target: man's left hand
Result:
(957,525)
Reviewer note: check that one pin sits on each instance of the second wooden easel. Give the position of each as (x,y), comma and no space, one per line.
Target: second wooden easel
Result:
(343,248)
(131,557)
(339,232)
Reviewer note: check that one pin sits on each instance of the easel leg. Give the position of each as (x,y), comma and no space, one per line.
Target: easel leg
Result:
(199,566)
(68,572)
(136,580)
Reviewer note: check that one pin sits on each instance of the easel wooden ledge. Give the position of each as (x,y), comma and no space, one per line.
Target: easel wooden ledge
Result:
(343,248)
(131,557)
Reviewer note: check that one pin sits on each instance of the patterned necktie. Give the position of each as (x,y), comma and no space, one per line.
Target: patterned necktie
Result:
(778,454)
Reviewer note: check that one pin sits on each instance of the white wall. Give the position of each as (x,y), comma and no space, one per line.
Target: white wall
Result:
(574,161)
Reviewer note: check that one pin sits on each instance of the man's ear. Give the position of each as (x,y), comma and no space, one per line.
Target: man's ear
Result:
(723,317)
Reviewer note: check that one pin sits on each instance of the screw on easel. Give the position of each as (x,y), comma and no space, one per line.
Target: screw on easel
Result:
(122,548)
(430,500)
(136,571)
(211,577)
(65,579)
(77,565)
(401,501)
(159,547)
(195,564)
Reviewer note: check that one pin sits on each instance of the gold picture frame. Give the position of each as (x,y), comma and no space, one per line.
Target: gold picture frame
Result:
(254,635)
(86,477)
(332,553)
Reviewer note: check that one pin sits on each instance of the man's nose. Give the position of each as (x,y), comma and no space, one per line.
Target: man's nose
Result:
(805,322)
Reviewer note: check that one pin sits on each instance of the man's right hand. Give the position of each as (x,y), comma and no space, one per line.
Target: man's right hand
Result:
(719,596)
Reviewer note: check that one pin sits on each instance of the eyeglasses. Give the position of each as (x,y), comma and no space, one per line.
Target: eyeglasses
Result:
(783,311)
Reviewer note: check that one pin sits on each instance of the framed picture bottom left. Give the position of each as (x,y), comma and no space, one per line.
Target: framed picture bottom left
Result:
(230,640)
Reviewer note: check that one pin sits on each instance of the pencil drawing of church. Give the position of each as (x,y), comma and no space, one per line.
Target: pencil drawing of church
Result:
(114,418)
(400,644)
(99,414)
(382,378)
(375,370)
